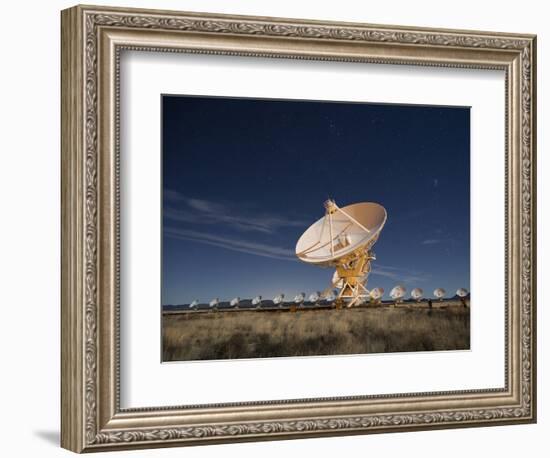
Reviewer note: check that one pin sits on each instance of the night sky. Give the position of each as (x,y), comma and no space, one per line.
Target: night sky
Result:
(243,178)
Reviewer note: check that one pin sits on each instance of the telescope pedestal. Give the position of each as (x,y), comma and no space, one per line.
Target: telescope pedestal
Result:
(353,275)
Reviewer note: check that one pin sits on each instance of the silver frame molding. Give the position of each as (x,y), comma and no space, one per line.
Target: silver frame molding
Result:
(92,40)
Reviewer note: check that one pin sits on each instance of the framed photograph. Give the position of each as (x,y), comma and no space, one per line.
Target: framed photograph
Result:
(277,228)
(247,211)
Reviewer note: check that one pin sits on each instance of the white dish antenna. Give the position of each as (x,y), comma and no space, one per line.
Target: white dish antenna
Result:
(330,297)
(214,302)
(194,304)
(462,292)
(343,239)
(376,294)
(299,298)
(314,297)
(257,301)
(235,302)
(397,293)
(439,293)
(337,282)
(279,299)
(417,294)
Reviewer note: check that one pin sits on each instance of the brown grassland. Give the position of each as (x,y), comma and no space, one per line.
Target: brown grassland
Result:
(253,334)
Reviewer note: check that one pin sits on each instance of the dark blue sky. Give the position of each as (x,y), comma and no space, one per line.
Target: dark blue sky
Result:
(243,178)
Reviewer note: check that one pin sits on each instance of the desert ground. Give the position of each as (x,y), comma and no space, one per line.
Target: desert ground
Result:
(266,334)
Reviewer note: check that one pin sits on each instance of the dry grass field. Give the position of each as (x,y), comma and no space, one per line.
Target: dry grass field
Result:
(251,334)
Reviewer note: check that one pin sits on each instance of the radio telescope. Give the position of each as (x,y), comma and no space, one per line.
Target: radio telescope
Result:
(462,293)
(439,293)
(376,295)
(299,299)
(193,305)
(329,297)
(235,302)
(279,300)
(314,297)
(214,303)
(337,282)
(417,294)
(343,239)
(257,301)
(397,293)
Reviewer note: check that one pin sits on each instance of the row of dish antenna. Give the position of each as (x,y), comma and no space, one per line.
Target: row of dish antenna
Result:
(277,300)
(397,294)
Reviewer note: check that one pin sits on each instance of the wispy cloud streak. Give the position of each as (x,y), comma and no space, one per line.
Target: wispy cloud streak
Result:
(399,274)
(243,246)
(183,209)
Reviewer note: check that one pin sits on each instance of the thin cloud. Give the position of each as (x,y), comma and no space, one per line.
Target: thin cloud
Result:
(243,246)
(184,209)
(399,274)
(385,273)
(416,279)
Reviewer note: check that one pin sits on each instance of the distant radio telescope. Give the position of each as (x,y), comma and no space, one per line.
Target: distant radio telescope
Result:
(257,301)
(279,300)
(214,303)
(439,293)
(235,302)
(337,282)
(462,293)
(343,239)
(376,294)
(299,299)
(329,296)
(194,304)
(314,297)
(417,294)
(397,293)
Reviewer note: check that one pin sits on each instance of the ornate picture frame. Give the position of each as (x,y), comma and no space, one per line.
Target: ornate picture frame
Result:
(92,40)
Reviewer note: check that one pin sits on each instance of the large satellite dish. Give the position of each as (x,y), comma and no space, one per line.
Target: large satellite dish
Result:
(439,293)
(193,305)
(235,302)
(417,294)
(343,239)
